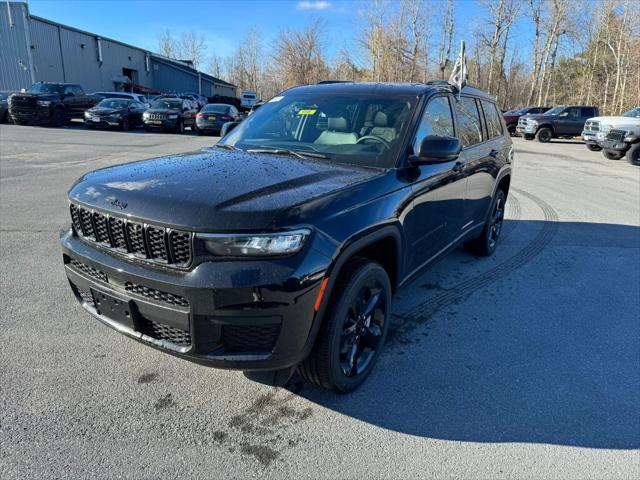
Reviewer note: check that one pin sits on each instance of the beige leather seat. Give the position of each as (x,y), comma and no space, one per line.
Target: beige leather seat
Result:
(336,133)
(381,128)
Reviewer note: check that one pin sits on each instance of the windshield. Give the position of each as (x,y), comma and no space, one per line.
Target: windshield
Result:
(217,108)
(635,113)
(46,88)
(169,103)
(362,129)
(554,110)
(114,103)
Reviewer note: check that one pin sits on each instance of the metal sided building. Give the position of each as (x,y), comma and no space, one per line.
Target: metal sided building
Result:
(34,49)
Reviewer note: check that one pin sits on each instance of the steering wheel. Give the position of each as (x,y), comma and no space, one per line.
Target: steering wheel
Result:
(374,138)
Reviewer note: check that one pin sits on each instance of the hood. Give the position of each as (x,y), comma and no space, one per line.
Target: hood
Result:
(39,96)
(163,110)
(617,121)
(106,111)
(538,116)
(213,190)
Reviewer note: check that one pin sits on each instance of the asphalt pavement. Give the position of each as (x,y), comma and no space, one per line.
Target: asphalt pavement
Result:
(522,365)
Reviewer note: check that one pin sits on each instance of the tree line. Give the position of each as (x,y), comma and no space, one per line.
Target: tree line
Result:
(525,52)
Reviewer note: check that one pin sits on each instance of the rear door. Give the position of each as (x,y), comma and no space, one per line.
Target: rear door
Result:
(438,190)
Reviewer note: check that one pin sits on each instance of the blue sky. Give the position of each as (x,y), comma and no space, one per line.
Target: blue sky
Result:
(223,22)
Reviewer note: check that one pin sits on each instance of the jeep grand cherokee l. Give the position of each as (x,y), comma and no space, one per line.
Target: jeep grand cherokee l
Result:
(281,246)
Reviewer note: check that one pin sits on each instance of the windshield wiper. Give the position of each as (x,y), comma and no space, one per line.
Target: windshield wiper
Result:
(281,151)
(226,146)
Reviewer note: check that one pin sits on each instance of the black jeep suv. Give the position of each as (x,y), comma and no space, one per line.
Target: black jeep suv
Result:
(281,246)
(171,113)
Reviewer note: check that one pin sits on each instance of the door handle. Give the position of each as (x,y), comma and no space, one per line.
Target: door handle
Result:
(458,166)
(493,153)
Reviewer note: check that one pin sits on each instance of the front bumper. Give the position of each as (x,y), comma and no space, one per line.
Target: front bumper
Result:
(246,315)
(617,145)
(166,124)
(103,122)
(528,129)
(32,116)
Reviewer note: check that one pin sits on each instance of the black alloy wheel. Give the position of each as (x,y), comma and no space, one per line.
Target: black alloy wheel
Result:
(354,328)
(485,244)
(544,135)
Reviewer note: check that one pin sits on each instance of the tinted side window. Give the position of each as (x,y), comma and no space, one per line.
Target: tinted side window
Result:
(494,126)
(573,112)
(469,126)
(76,89)
(587,112)
(436,120)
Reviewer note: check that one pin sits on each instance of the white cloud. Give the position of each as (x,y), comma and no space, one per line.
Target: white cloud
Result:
(314,5)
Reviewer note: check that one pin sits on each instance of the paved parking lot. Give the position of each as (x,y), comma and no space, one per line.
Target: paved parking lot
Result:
(526,364)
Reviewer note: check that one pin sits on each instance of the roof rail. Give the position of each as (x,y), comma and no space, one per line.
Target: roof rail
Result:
(323,82)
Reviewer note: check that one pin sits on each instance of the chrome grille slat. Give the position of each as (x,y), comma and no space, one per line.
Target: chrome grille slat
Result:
(151,242)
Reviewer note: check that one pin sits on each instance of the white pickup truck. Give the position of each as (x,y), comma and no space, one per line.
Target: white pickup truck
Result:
(615,136)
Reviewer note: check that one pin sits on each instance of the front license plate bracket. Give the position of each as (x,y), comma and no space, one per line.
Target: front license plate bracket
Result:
(119,310)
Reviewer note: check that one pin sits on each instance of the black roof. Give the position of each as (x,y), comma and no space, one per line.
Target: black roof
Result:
(388,88)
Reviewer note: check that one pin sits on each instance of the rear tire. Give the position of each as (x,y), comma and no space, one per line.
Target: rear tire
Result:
(633,154)
(593,147)
(354,329)
(544,135)
(485,244)
(612,154)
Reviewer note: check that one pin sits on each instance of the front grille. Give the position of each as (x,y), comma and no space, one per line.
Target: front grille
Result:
(18,101)
(160,331)
(154,294)
(592,126)
(151,242)
(617,135)
(88,270)
(250,338)
(522,122)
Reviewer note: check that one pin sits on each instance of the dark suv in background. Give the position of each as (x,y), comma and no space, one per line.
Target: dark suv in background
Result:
(170,114)
(281,246)
(512,116)
(559,122)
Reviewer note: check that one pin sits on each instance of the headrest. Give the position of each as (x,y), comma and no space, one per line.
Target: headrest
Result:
(380,120)
(337,124)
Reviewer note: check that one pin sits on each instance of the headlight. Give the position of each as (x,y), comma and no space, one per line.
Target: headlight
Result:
(44,103)
(172,117)
(533,123)
(87,114)
(145,115)
(249,245)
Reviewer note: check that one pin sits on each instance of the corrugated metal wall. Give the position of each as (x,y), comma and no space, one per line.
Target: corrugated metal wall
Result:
(168,78)
(47,56)
(14,53)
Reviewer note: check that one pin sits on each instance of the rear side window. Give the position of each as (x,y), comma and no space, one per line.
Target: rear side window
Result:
(494,125)
(436,120)
(588,112)
(469,125)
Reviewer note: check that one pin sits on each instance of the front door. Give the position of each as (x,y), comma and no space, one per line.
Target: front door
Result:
(438,190)
(569,121)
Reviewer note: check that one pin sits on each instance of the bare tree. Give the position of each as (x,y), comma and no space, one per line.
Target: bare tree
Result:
(446,39)
(192,47)
(167,44)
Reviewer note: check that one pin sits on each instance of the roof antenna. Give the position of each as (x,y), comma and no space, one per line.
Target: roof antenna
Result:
(459,74)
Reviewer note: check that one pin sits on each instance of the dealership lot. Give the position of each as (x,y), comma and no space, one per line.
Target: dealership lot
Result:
(523,362)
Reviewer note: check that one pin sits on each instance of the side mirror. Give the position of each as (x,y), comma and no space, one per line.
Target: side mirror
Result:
(437,149)
(227,127)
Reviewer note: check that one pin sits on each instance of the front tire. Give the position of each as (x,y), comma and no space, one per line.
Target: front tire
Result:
(486,243)
(354,329)
(612,154)
(57,118)
(633,154)
(544,135)
(593,147)
(125,125)
(511,128)
(180,126)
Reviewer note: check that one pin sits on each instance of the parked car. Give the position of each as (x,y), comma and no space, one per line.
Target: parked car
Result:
(561,121)
(171,113)
(248,99)
(138,97)
(623,136)
(201,100)
(122,113)
(50,103)
(281,246)
(213,115)
(512,116)
(4,107)
(596,129)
